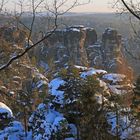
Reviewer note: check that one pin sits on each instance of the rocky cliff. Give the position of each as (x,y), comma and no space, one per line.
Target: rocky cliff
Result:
(79,45)
(108,53)
(67,46)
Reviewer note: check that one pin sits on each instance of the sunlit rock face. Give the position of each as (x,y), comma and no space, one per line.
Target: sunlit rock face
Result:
(113,58)
(111,47)
(107,53)
(67,46)
(78,45)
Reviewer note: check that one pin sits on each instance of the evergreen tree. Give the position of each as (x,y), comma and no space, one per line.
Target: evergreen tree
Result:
(83,108)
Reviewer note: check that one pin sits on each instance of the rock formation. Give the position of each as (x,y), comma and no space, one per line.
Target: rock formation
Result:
(108,55)
(67,46)
(79,46)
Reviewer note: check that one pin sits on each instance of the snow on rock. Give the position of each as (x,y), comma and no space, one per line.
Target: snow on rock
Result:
(114,77)
(98,71)
(53,90)
(115,90)
(91,72)
(77,26)
(88,73)
(74,30)
(117,83)
(41,83)
(80,67)
(5,109)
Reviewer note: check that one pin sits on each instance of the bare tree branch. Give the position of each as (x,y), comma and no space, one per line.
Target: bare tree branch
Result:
(25,51)
(34,8)
(133,28)
(58,6)
(55,12)
(17,15)
(132,55)
(24,25)
(2,3)
(131,10)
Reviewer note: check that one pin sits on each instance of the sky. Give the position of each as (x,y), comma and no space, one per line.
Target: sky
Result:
(99,6)
(96,6)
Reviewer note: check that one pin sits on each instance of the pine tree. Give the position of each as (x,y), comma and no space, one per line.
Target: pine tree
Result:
(82,108)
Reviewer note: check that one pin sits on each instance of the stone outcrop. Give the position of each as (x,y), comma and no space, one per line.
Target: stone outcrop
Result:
(67,46)
(108,55)
(111,46)
(79,46)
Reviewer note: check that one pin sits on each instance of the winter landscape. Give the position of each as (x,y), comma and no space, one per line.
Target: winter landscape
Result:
(69,70)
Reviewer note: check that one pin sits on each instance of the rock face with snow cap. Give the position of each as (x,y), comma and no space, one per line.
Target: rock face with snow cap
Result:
(78,45)
(118,84)
(67,46)
(108,55)
(113,58)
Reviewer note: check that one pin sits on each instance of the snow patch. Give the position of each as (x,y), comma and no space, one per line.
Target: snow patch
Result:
(5,109)
(113,77)
(91,72)
(53,90)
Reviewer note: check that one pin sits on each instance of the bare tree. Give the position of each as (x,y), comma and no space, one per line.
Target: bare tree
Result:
(18,14)
(132,9)
(58,8)
(2,4)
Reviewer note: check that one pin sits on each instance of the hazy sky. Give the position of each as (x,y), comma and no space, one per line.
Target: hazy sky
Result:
(94,6)
(97,6)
